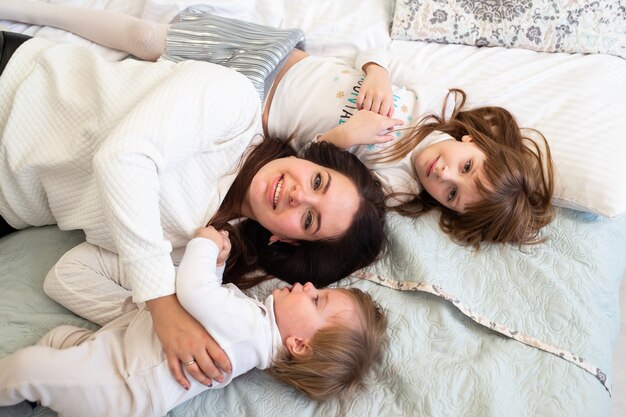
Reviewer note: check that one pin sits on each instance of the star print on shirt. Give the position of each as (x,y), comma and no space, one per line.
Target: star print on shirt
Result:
(340,94)
(404,108)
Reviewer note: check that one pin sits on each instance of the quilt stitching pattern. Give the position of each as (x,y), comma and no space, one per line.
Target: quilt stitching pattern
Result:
(491,324)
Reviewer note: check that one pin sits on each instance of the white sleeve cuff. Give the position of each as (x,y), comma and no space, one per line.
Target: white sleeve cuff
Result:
(378,56)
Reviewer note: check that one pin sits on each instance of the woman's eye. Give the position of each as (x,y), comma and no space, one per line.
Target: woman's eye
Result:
(308,220)
(467,167)
(452,194)
(317,182)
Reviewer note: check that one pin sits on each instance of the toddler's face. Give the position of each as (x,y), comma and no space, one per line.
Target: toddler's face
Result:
(302,310)
(448,171)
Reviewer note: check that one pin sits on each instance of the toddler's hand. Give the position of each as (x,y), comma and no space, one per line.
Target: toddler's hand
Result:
(220,238)
(223,255)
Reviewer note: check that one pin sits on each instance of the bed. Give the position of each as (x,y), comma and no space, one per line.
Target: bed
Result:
(513,331)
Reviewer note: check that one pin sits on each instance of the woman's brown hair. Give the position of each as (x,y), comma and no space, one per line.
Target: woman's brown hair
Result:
(323,261)
(517,183)
(340,354)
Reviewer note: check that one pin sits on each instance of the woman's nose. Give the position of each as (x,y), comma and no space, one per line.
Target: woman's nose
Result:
(298,196)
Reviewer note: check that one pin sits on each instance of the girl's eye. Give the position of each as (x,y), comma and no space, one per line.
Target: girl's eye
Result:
(308,220)
(317,182)
(452,194)
(467,167)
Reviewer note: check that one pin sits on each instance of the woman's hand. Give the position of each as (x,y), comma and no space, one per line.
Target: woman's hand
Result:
(364,128)
(375,93)
(185,340)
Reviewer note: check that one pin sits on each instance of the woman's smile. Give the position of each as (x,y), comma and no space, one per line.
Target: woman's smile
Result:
(276,195)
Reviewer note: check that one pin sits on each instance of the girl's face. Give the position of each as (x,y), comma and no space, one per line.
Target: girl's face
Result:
(298,200)
(448,171)
(302,310)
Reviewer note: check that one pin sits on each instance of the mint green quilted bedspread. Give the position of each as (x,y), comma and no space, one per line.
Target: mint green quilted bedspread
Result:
(441,361)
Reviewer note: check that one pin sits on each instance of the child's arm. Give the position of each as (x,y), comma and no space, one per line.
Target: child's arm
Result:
(232,318)
(220,238)
(141,38)
(198,270)
(199,288)
(364,128)
(375,93)
(372,124)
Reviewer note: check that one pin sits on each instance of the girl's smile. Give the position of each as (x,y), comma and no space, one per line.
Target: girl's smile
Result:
(432,166)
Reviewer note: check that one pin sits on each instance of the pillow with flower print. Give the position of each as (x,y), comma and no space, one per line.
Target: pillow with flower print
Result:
(542,25)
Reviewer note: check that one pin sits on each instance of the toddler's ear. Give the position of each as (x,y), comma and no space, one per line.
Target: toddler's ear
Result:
(297,346)
(467,138)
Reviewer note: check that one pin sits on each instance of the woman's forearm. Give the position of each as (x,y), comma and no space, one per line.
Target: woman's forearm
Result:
(186,343)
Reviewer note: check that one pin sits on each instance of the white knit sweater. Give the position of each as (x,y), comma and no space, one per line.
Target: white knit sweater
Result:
(133,153)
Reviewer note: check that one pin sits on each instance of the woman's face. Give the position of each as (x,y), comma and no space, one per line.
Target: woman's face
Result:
(299,200)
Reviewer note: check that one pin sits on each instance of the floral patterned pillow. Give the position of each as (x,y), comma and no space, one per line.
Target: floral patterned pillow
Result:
(596,26)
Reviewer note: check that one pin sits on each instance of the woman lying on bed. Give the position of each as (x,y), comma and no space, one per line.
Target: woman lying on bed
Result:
(492,184)
(139,155)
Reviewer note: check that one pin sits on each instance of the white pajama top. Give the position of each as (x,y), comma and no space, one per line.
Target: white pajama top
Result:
(136,154)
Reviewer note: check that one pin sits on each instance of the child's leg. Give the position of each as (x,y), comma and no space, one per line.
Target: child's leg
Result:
(80,381)
(89,281)
(143,39)
(65,336)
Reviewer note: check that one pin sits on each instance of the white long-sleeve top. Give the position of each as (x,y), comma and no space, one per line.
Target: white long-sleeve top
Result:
(244,327)
(136,154)
(319,93)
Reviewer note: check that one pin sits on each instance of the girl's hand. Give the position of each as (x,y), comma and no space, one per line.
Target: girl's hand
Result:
(220,238)
(364,128)
(375,93)
(183,340)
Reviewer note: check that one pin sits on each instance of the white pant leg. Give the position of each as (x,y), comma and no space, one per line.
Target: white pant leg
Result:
(83,380)
(89,281)
(65,336)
